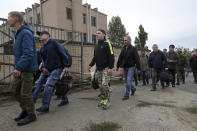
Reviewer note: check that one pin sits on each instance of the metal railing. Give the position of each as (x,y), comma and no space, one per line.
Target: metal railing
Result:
(71,40)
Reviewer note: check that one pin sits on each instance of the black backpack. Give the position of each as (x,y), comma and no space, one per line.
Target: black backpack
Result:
(69,56)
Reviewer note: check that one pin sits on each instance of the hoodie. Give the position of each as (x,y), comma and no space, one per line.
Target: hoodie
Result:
(25,56)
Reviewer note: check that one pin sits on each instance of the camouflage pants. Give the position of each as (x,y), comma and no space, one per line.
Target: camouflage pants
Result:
(180,75)
(22,90)
(104,83)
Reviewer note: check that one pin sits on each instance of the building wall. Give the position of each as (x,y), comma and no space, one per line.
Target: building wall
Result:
(55,15)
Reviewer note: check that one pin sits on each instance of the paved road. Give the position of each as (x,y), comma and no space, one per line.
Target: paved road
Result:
(83,109)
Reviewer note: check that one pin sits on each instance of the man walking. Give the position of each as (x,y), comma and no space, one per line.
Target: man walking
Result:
(157,63)
(181,66)
(104,60)
(25,64)
(193,63)
(144,67)
(55,60)
(172,58)
(129,60)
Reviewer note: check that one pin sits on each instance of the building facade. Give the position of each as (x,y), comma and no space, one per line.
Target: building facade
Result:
(70,15)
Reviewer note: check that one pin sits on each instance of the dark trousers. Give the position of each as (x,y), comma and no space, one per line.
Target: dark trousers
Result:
(195,76)
(180,75)
(145,77)
(22,89)
(156,78)
(173,72)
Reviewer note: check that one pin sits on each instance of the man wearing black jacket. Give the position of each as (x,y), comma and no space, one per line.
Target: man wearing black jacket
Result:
(157,63)
(172,59)
(104,60)
(129,60)
(193,63)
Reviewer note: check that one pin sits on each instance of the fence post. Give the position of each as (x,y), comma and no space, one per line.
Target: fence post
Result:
(82,60)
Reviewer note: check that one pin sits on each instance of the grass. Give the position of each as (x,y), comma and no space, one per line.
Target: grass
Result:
(192,110)
(148,104)
(89,98)
(104,126)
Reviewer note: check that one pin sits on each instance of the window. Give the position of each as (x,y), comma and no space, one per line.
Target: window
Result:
(30,20)
(93,20)
(94,39)
(70,35)
(84,37)
(69,13)
(38,19)
(84,18)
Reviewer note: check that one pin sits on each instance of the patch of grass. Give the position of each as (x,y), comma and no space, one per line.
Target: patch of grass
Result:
(104,126)
(144,104)
(148,104)
(192,110)
(89,98)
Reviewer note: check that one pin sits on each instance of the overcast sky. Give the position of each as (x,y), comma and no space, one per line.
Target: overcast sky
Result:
(166,21)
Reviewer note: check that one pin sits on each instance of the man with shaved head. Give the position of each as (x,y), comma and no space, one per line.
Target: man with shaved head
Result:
(157,63)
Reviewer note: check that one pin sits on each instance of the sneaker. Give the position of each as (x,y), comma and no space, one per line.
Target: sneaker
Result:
(106,104)
(42,110)
(22,115)
(27,120)
(62,103)
(125,98)
(173,85)
(100,103)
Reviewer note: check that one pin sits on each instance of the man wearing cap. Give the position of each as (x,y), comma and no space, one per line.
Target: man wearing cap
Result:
(181,66)
(52,66)
(104,60)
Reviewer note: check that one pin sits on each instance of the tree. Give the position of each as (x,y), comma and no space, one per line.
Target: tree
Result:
(116,31)
(137,43)
(186,51)
(142,38)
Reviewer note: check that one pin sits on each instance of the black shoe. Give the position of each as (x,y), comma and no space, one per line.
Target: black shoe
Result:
(153,89)
(177,83)
(183,82)
(62,103)
(133,92)
(22,115)
(173,85)
(27,120)
(125,98)
(42,110)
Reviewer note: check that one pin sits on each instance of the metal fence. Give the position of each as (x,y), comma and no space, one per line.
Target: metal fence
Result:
(72,41)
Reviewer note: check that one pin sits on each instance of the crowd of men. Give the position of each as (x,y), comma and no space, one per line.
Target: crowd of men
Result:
(55,61)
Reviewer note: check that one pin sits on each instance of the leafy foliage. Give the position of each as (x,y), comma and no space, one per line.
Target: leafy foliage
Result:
(116,31)
(140,40)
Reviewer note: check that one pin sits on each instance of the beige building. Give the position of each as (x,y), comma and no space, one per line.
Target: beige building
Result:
(70,15)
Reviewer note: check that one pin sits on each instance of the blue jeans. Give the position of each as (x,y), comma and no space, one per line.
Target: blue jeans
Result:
(42,80)
(129,74)
(53,77)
